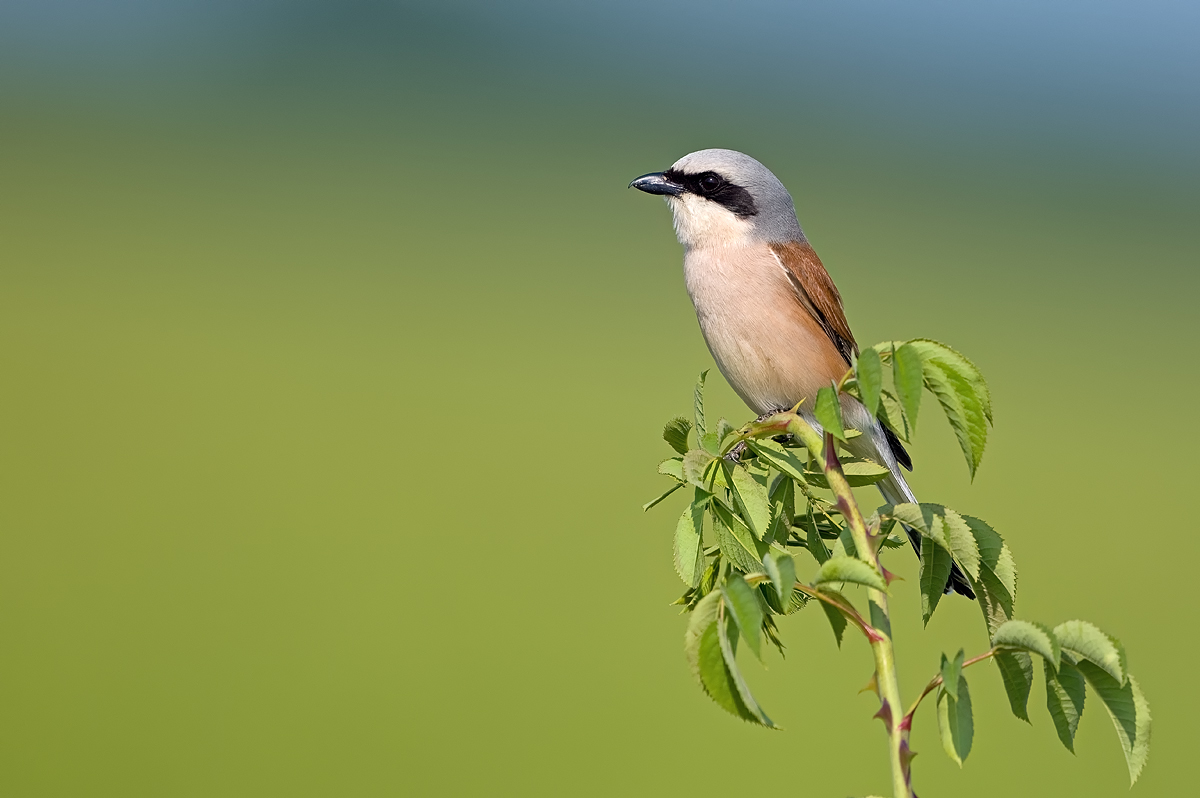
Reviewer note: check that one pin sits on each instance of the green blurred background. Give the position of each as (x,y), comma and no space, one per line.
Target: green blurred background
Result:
(334,354)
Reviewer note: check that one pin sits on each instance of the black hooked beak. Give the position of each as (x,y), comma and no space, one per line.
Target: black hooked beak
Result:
(657,183)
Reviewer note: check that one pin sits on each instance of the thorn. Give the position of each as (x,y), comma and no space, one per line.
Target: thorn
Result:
(905,723)
(885,715)
(888,576)
(872,685)
(906,757)
(831,451)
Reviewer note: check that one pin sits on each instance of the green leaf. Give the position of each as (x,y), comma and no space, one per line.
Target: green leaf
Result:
(782,569)
(736,541)
(779,458)
(868,371)
(858,474)
(742,601)
(724,428)
(955,722)
(816,546)
(750,496)
(951,670)
(837,621)
(710,443)
(672,467)
(706,643)
(849,569)
(689,548)
(653,502)
(955,540)
(1088,642)
(728,651)
(698,469)
(698,405)
(783,508)
(935,572)
(1064,698)
(829,413)
(908,377)
(963,410)
(996,585)
(1029,636)
(1129,711)
(1016,671)
(955,362)
(675,433)
(892,414)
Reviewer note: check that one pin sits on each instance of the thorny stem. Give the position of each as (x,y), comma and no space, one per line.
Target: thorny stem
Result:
(824,452)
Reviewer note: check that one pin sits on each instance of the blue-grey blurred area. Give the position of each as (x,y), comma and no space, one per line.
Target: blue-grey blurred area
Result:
(334,352)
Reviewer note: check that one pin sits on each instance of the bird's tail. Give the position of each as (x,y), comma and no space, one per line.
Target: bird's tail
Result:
(876,444)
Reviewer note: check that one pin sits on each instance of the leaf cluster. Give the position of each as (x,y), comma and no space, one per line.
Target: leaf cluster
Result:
(757,497)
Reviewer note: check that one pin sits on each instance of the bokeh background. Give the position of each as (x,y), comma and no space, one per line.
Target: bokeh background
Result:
(334,353)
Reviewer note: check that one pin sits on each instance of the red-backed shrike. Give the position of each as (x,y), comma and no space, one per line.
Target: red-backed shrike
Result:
(770,314)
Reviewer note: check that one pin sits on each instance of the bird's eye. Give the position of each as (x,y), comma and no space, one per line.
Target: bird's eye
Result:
(710,183)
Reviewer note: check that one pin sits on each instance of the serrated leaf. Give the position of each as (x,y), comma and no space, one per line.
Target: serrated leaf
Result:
(672,467)
(951,670)
(675,433)
(779,458)
(816,546)
(736,541)
(963,410)
(654,502)
(783,508)
(1087,641)
(858,474)
(728,651)
(782,569)
(705,644)
(750,496)
(935,572)
(724,428)
(1030,636)
(996,585)
(698,470)
(957,363)
(689,548)
(1064,699)
(892,414)
(868,372)
(955,722)
(742,601)
(1016,671)
(698,405)
(1129,710)
(837,621)
(828,412)
(955,541)
(961,541)
(711,443)
(908,377)
(849,569)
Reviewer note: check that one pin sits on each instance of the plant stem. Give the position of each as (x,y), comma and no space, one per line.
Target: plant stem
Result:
(887,685)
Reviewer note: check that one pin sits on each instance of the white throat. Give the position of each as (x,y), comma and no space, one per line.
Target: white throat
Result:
(701,223)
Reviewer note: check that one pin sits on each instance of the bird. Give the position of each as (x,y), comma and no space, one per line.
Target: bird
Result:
(769,311)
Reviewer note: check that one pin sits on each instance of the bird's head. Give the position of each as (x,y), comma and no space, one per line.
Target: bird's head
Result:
(724,198)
